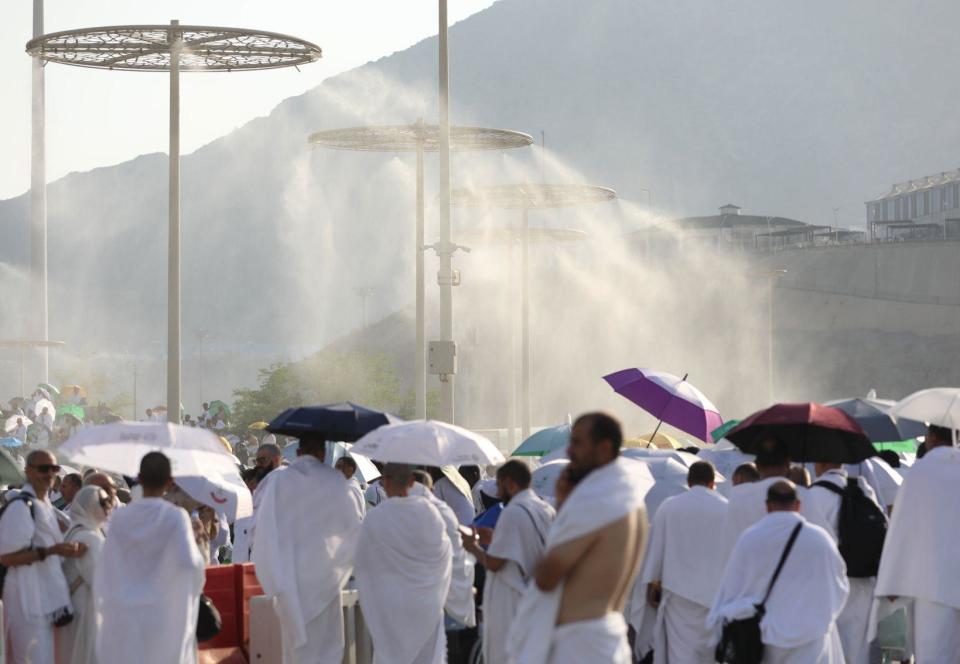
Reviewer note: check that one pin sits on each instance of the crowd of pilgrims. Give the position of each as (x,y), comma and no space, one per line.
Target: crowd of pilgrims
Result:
(102,568)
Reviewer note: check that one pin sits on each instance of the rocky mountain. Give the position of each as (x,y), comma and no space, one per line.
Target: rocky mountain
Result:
(784,108)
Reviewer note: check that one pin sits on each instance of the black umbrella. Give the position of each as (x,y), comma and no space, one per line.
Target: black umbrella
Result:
(810,431)
(344,422)
(877,423)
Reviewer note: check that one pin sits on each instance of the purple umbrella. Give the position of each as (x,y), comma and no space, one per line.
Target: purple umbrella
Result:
(668,398)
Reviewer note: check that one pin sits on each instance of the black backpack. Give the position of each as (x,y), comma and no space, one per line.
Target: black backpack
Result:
(861,529)
(24,498)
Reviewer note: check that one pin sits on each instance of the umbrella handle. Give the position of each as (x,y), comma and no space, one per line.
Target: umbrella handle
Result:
(660,421)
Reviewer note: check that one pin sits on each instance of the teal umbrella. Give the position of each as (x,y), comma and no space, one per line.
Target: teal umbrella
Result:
(544,441)
(721,431)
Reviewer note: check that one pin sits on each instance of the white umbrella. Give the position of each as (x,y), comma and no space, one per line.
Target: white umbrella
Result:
(427,443)
(224,492)
(669,476)
(11,424)
(44,403)
(544,480)
(939,406)
(120,446)
(368,472)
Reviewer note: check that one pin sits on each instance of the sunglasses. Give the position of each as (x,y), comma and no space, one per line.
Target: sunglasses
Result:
(45,468)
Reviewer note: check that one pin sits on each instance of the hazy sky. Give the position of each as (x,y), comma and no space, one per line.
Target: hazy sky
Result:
(96,118)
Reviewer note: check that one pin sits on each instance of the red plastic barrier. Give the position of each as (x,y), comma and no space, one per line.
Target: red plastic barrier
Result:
(221,588)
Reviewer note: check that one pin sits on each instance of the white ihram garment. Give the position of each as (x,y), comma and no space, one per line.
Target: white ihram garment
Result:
(147,585)
(799,623)
(606,495)
(748,504)
(307,526)
(461,503)
(459,605)
(921,556)
(854,620)
(77,642)
(33,593)
(688,571)
(403,568)
(519,538)
(602,639)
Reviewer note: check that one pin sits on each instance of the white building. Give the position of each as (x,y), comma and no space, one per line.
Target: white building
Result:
(927,208)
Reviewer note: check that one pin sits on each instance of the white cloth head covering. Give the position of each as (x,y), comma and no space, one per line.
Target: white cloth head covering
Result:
(86,509)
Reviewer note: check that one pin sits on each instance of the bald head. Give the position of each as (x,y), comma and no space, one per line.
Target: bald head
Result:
(782,497)
(103,481)
(41,471)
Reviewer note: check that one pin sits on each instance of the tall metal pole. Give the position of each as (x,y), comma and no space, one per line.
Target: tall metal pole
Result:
(512,345)
(770,371)
(201,367)
(38,199)
(445,245)
(173,250)
(419,357)
(134,390)
(525,326)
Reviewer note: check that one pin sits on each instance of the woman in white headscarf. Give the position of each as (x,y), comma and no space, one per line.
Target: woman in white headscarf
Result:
(76,642)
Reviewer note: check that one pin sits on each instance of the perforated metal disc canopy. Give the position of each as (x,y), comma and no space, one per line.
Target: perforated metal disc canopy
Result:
(148,48)
(506,235)
(406,138)
(529,196)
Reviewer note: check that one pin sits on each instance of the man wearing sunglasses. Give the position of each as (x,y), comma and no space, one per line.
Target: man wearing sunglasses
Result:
(268,456)
(35,591)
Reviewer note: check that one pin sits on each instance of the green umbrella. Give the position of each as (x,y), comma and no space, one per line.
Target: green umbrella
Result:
(218,406)
(908,446)
(10,473)
(72,410)
(49,388)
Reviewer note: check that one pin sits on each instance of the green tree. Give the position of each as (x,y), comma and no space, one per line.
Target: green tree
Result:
(369,379)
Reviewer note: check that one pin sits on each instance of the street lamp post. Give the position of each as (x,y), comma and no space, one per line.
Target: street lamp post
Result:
(525,197)
(38,198)
(173,48)
(419,138)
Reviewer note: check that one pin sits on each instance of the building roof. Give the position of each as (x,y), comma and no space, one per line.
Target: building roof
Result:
(736,221)
(921,184)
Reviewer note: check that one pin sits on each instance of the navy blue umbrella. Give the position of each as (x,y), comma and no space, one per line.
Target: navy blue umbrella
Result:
(345,422)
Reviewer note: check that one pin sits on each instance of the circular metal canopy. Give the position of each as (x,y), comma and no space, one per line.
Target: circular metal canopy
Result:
(148,47)
(31,343)
(529,196)
(507,235)
(406,138)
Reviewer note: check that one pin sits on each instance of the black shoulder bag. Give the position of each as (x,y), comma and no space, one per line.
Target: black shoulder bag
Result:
(741,642)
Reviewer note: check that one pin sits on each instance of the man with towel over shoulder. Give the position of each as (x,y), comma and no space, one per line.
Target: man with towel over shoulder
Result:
(307,526)
(403,566)
(572,613)
(801,597)
(920,555)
